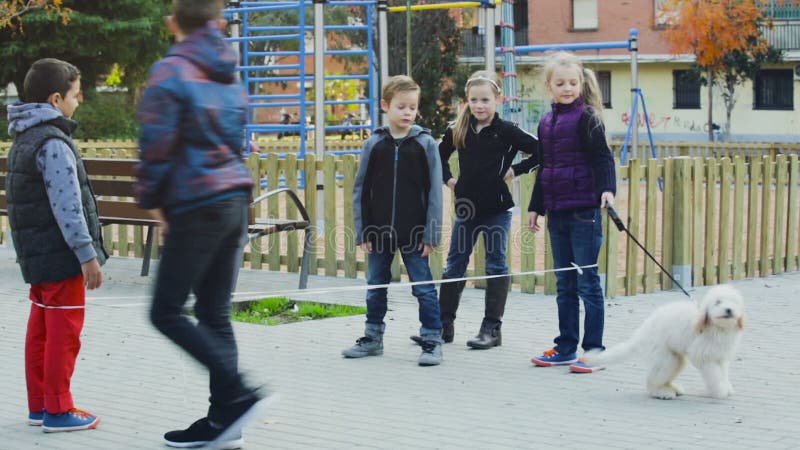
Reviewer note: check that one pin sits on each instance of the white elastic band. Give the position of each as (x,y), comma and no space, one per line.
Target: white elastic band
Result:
(298,292)
(57,307)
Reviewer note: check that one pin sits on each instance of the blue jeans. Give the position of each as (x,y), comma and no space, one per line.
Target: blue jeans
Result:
(575,236)
(202,252)
(495,238)
(379,268)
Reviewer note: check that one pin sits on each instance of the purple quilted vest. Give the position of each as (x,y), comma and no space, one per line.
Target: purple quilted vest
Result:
(566,176)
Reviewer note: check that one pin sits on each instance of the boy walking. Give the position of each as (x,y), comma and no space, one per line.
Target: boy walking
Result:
(193,179)
(398,207)
(56,232)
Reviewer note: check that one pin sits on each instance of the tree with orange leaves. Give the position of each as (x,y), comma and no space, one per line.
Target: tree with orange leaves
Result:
(11,11)
(725,38)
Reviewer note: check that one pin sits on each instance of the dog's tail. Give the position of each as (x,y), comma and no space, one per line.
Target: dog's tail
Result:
(617,353)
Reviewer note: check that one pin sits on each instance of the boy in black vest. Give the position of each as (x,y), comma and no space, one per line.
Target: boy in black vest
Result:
(56,232)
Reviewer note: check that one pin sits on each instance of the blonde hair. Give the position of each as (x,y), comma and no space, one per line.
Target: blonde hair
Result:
(461,125)
(590,89)
(397,84)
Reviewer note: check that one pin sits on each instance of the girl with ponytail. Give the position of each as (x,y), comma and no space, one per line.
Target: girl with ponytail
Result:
(575,181)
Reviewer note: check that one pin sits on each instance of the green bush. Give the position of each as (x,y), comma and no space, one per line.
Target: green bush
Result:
(107,116)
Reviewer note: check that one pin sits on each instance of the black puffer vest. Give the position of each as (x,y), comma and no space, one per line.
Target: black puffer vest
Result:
(42,252)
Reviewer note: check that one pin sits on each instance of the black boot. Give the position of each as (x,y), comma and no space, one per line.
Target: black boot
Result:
(448,332)
(449,298)
(489,336)
(495,305)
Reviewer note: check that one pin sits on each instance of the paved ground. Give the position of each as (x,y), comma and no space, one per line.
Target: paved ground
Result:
(142,386)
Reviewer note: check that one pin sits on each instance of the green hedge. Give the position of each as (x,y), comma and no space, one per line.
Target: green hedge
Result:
(107,116)
(101,116)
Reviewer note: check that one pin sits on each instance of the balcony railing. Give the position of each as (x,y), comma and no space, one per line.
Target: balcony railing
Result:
(783,35)
(786,11)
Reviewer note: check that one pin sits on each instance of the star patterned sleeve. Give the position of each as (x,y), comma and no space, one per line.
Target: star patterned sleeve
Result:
(58,166)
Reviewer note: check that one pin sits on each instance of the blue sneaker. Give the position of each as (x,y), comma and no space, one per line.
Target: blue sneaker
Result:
(583,367)
(72,420)
(35,418)
(553,358)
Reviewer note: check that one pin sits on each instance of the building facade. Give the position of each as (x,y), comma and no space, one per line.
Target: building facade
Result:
(677,105)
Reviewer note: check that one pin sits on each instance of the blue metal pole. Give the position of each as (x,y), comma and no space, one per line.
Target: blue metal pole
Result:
(568,47)
(372,89)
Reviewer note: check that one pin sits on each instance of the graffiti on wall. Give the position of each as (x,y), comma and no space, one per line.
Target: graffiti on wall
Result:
(655,120)
(528,112)
(666,122)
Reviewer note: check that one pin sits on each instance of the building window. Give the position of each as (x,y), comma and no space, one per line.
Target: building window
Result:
(604,81)
(520,23)
(660,19)
(774,89)
(686,89)
(584,14)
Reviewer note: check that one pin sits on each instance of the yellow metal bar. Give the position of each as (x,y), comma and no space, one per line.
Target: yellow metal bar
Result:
(451,5)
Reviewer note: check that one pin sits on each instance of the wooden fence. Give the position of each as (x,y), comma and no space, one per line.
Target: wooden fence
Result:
(723,219)
(717,219)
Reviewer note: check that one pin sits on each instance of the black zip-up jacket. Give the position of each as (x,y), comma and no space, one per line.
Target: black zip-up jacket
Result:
(396,198)
(480,189)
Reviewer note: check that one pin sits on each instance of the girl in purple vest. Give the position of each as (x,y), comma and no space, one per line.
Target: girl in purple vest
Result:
(486,146)
(575,181)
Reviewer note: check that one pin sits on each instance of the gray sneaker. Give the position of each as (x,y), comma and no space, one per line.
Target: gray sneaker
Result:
(365,346)
(431,353)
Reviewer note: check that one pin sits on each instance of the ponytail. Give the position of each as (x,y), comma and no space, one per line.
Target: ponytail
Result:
(460,127)
(591,92)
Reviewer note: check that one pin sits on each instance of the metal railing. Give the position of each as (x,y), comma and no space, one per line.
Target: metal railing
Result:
(787,10)
(783,35)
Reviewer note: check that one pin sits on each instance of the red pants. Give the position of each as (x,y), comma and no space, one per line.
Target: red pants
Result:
(52,343)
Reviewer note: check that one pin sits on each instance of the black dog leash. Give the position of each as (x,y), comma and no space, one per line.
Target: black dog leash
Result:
(621,227)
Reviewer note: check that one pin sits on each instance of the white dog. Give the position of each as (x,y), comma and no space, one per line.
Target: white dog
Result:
(706,334)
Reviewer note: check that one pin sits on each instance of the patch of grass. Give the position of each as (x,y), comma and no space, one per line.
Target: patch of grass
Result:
(280,310)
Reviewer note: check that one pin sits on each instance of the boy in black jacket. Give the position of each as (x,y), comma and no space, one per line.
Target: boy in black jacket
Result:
(398,207)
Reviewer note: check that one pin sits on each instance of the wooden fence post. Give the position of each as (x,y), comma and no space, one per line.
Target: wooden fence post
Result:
(349,237)
(764,266)
(632,250)
(666,221)
(754,186)
(651,213)
(711,238)
(726,215)
(527,240)
(329,214)
(310,198)
(739,172)
(273,211)
(681,222)
(779,259)
(290,174)
(793,225)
